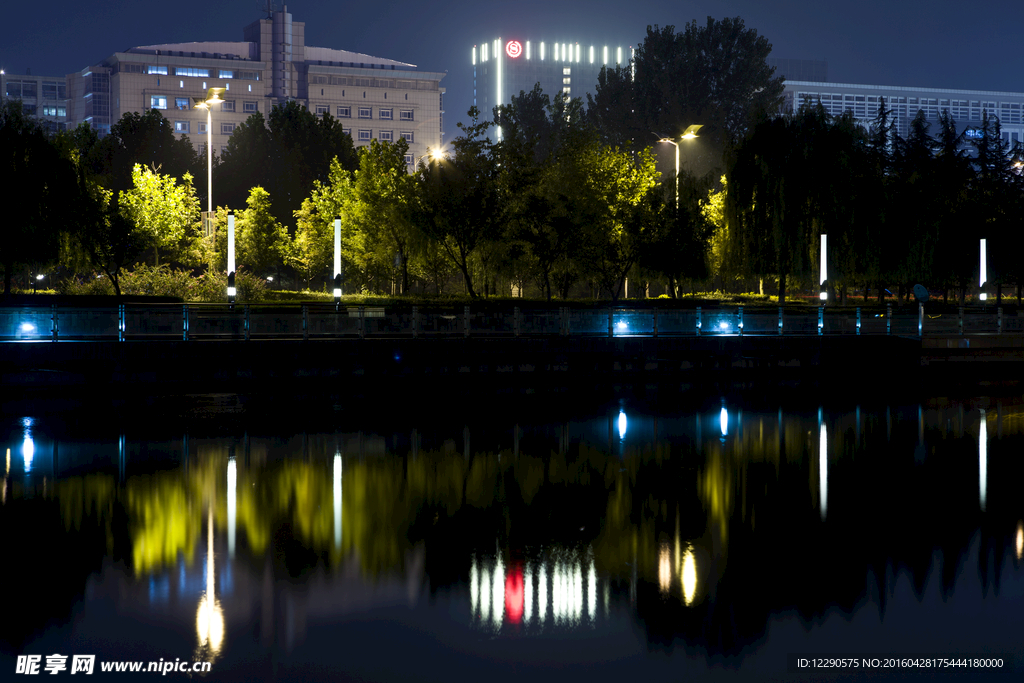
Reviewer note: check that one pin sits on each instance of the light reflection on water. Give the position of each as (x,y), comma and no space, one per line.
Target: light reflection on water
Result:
(705,542)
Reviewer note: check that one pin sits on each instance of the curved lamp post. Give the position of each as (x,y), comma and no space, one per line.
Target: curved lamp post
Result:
(212,98)
(689,134)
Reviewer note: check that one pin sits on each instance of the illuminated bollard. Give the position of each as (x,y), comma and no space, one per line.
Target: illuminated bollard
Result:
(231,258)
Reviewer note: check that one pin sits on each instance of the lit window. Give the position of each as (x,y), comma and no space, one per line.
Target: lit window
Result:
(365,112)
(344,112)
(226,74)
(156,70)
(181,103)
(181,126)
(158,102)
(227,128)
(566,81)
(387,135)
(386,114)
(190,71)
(408,160)
(405,115)
(566,70)
(407,136)
(364,135)
(202,128)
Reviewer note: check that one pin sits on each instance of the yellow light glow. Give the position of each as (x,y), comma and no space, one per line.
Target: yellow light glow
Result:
(688,577)
(8,462)
(1020,540)
(664,569)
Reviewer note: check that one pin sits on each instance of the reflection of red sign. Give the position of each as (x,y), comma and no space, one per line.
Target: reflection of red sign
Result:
(513,49)
(514,594)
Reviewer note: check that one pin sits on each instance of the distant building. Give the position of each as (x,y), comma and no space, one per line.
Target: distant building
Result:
(504,68)
(374,98)
(965,106)
(42,97)
(800,69)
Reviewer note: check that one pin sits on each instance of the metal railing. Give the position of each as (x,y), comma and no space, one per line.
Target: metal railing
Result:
(188,322)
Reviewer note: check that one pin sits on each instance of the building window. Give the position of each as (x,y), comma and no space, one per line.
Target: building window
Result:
(405,115)
(566,81)
(407,136)
(190,71)
(181,126)
(226,74)
(202,128)
(54,91)
(49,111)
(227,105)
(322,109)
(202,148)
(156,70)
(386,114)
(28,109)
(364,135)
(158,102)
(344,112)
(566,71)
(14,89)
(249,107)
(386,135)
(408,160)
(365,112)
(566,90)
(181,103)
(227,128)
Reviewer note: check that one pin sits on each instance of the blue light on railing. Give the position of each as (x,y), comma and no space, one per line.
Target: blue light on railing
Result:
(723,326)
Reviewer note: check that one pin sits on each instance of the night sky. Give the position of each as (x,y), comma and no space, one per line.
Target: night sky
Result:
(934,43)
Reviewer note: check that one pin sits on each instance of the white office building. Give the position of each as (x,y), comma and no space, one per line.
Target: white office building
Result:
(374,98)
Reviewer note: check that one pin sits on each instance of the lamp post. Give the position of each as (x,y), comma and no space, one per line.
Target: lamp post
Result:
(212,98)
(689,134)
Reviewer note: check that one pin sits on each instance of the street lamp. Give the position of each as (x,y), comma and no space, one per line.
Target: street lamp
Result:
(212,98)
(689,134)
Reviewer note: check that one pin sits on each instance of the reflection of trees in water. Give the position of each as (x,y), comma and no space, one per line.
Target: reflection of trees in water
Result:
(708,537)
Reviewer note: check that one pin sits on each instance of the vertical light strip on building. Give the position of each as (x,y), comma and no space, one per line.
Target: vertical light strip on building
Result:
(474,55)
(579,50)
(566,55)
(604,55)
(527,49)
(542,51)
(591,54)
(483,52)
(497,100)
(618,55)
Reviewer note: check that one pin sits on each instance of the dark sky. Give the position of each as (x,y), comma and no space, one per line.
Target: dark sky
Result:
(934,43)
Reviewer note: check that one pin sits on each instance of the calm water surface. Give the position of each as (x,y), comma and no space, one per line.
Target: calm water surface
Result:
(547,538)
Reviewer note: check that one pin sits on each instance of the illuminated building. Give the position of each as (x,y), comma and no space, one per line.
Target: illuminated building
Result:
(44,98)
(965,106)
(505,67)
(374,98)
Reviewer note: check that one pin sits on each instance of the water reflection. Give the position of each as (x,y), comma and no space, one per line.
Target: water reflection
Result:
(536,534)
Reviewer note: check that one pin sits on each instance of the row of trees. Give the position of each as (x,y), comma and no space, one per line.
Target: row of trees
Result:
(566,199)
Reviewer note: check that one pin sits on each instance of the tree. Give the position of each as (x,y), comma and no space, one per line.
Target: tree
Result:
(714,75)
(458,203)
(385,193)
(40,182)
(284,154)
(313,246)
(262,240)
(167,212)
(141,139)
(109,238)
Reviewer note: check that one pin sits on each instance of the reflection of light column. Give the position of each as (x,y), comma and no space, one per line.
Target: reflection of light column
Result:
(983,273)
(664,569)
(688,576)
(474,587)
(1020,540)
(498,592)
(723,419)
(622,424)
(591,587)
(822,464)
(210,616)
(542,594)
(982,460)
(527,593)
(337,501)
(337,258)
(485,593)
(232,505)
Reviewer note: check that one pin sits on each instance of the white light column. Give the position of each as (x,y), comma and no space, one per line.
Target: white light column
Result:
(823,268)
(337,500)
(232,504)
(231,257)
(983,461)
(983,272)
(337,260)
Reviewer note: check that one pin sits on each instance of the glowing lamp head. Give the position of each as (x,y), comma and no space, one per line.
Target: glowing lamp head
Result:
(823,296)
(337,292)
(40,277)
(231,291)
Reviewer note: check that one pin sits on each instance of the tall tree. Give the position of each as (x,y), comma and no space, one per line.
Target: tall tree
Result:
(40,182)
(262,241)
(313,246)
(715,75)
(458,198)
(143,139)
(167,212)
